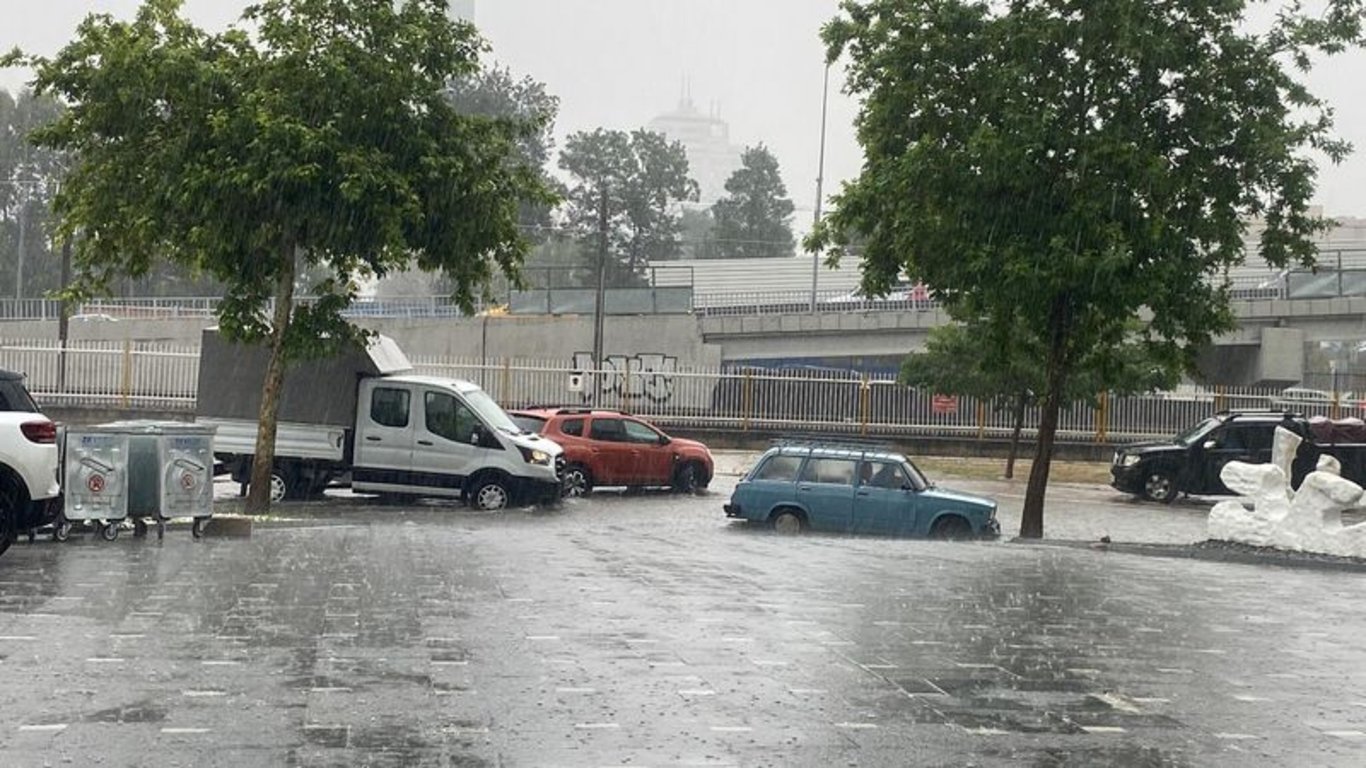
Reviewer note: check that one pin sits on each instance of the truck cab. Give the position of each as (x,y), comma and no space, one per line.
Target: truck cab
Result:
(420,435)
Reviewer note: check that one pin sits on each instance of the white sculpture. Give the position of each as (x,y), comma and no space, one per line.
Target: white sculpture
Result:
(1269,514)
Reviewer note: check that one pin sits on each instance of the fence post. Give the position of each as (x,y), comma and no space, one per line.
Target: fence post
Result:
(1219,398)
(746,400)
(865,392)
(981,419)
(507,380)
(127,388)
(1103,418)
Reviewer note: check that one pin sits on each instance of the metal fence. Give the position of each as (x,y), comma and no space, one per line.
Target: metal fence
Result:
(128,374)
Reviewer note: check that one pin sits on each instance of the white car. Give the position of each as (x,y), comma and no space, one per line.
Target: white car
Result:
(1300,398)
(30,493)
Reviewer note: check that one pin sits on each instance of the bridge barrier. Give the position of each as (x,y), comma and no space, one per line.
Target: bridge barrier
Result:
(165,377)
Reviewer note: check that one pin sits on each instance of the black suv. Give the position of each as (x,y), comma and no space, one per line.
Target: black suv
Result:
(1192,461)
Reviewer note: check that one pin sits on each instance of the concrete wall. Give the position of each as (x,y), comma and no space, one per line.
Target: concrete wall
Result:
(550,338)
(169,331)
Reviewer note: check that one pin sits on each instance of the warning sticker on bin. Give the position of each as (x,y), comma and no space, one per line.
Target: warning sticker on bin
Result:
(187,480)
(95,483)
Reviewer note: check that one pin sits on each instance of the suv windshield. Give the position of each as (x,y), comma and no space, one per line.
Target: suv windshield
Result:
(1195,433)
(13,396)
(528,423)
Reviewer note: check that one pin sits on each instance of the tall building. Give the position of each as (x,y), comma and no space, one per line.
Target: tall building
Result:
(711,157)
(462,9)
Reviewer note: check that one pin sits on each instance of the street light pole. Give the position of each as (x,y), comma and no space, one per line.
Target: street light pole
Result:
(820,185)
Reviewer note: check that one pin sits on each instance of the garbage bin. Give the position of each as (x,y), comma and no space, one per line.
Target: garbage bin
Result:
(95,480)
(166,469)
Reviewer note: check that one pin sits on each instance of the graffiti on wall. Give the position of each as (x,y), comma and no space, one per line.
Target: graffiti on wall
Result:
(646,376)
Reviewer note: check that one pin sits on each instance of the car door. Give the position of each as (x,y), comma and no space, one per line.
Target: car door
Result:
(884,501)
(613,458)
(384,443)
(826,489)
(653,460)
(1234,442)
(443,451)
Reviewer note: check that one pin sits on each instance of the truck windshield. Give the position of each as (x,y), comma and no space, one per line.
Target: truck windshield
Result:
(1195,433)
(491,413)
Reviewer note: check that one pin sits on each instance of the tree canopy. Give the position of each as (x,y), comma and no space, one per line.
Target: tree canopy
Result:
(317,134)
(754,220)
(645,178)
(1077,162)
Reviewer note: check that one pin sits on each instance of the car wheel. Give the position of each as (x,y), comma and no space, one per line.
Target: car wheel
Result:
(951,528)
(577,481)
(788,523)
(490,495)
(688,478)
(1159,485)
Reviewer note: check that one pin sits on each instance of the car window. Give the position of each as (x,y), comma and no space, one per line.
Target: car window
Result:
(572,427)
(882,474)
(779,468)
(13,397)
(389,407)
(639,433)
(527,423)
(829,471)
(608,430)
(448,417)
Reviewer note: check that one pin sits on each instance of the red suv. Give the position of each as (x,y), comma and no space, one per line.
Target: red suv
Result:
(613,448)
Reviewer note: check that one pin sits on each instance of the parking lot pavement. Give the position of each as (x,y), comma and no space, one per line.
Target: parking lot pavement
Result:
(647,630)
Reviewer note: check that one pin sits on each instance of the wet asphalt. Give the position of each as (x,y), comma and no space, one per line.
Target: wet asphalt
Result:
(647,630)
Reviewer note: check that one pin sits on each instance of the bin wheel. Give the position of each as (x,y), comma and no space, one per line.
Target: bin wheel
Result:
(32,535)
(139,529)
(197,528)
(110,531)
(61,531)
(161,529)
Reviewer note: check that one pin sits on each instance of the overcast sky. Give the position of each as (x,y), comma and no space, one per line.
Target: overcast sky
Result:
(619,63)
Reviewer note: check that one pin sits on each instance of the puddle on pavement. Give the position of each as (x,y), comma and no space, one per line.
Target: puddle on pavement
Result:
(141,712)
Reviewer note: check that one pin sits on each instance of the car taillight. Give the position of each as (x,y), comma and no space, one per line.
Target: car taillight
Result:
(39,431)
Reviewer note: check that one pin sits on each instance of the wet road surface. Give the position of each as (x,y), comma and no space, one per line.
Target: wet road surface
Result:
(647,630)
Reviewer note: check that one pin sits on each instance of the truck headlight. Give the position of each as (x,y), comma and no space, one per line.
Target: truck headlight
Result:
(1128,461)
(537,457)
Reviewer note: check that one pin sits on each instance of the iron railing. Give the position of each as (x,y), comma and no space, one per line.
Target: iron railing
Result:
(165,377)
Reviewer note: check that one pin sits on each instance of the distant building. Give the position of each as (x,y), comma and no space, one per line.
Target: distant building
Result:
(711,157)
(462,9)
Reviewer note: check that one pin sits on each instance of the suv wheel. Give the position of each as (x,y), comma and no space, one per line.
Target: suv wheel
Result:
(577,481)
(1159,484)
(688,478)
(11,501)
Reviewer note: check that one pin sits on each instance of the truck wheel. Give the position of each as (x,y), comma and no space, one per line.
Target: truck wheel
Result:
(279,485)
(490,494)
(1159,484)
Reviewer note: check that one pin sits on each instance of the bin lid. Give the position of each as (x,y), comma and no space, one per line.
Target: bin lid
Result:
(149,427)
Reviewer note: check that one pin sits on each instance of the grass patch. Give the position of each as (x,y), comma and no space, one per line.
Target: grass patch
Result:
(1087,472)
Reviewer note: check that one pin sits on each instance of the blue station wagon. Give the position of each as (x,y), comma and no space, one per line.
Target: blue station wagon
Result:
(856,491)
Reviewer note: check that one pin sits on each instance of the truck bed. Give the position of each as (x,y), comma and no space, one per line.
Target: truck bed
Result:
(294,441)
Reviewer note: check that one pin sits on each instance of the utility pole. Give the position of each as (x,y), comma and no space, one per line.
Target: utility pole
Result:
(820,185)
(598,309)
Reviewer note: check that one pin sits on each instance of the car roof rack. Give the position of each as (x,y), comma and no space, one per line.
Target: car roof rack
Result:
(848,444)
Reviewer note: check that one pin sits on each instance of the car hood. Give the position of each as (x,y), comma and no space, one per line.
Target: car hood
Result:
(957,497)
(688,445)
(1150,447)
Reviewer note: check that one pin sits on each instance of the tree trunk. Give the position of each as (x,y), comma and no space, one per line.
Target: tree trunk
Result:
(1020,401)
(1031,520)
(258,495)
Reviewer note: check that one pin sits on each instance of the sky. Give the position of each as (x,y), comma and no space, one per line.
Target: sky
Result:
(619,63)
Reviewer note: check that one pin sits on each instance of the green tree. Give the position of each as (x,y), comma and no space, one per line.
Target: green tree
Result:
(1002,363)
(755,219)
(643,177)
(698,229)
(29,177)
(317,134)
(1079,162)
